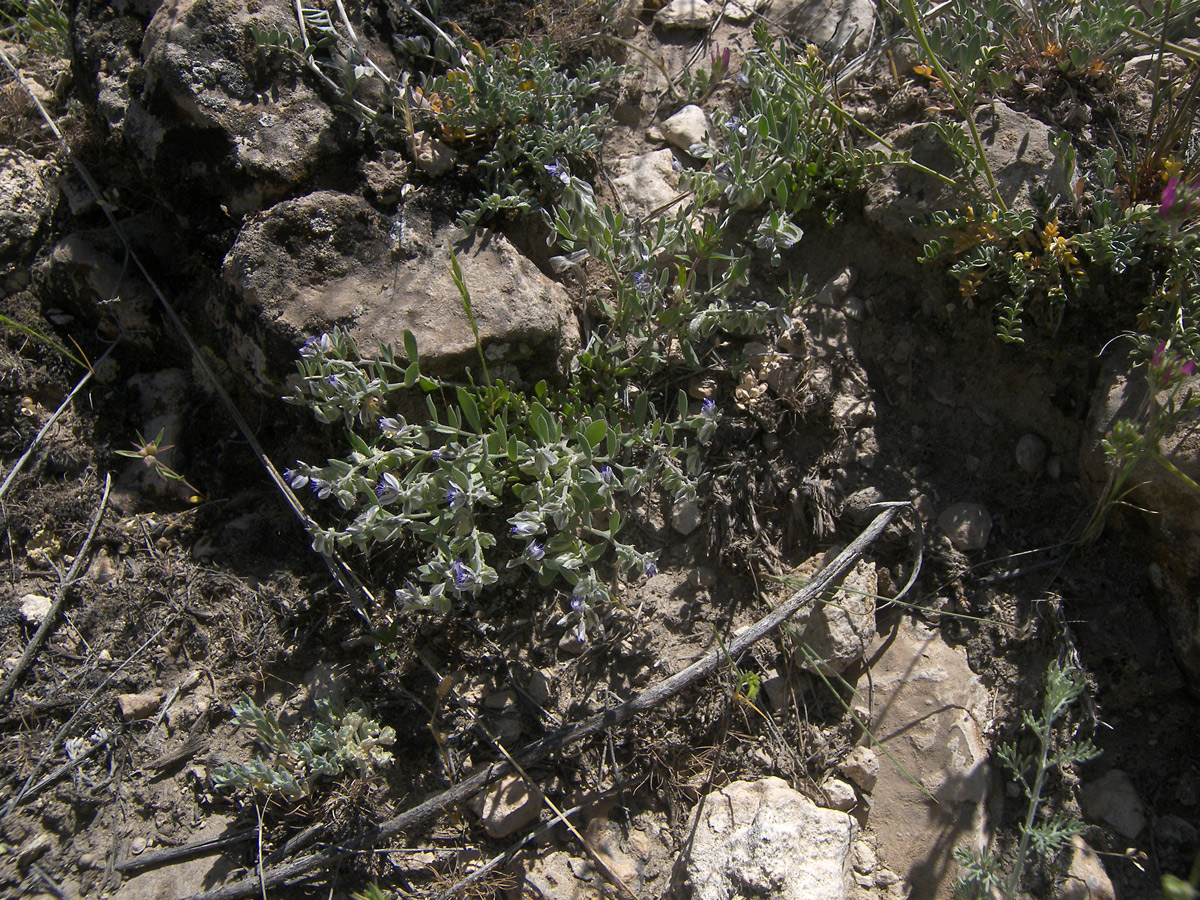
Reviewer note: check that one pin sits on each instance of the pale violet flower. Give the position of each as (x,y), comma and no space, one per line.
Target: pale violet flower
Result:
(535,551)
(456,498)
(465,581)
(317,344)
(296,479)
(388,488)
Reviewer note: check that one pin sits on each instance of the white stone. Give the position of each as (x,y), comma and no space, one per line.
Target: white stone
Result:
(34,608)
(687,127)
(861,766)
(1085,878)
(968,525)
(1031,453)
(1113,800)
(762,838)
(685,14)
(646,183)
(685,516)
(837,287)
(432,157)
(839,794)
(930,712)
(139,706)
(506,807)
(832,24)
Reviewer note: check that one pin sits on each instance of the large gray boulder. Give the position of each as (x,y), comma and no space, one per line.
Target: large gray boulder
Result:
(325,259)
(929,710)
(199,107)
(26,206)
(1017,148)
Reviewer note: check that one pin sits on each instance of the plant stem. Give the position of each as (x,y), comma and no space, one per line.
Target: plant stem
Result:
(914,22)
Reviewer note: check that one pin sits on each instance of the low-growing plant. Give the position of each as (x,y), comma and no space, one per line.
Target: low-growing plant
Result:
(671,285)
(41,24)
(1168,373)
(530,118)
(513,108)
(991,45)
(787,145)
(539,477)
(341,740)
(981,876)
(150,453)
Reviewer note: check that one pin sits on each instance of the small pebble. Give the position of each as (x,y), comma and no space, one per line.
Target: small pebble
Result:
(137,846)
(968,525)
(34,608)
(1031,453)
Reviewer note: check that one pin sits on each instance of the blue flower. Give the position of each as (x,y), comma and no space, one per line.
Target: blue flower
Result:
(321,488)
(708,409)
(642,282)
(649,569)
(388,488)
(525,528)
(558,172)
(334,381)
(734,124)
(296,479)
(390,426)
(315,345)
(535,551)
(456,498)
(464,579)
(607,476)
(576,603)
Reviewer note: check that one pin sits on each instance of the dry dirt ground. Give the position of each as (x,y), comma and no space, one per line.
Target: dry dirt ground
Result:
(190,605)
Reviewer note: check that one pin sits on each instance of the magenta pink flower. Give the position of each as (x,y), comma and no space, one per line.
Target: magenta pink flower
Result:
(1168,198)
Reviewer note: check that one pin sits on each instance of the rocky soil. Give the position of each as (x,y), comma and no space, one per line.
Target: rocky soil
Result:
(254,213)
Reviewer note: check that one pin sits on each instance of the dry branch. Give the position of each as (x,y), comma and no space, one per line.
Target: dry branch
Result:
(649,699)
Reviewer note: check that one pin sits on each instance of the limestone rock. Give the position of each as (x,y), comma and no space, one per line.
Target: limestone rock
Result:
(1017,148)
(432,157)
(687,127)
(834,25)
(831,24)
(1031,453)
(27,204)
(647,182)
(756,839)
(839,626)
(139,706)
(34,608)
(839,794)
(1113,800)
(183,879)
(861,766)
(200,65)
(681,15)
(1085,878)
(742,11)
(968,525)
(929,710)
(685,516)
(506,807)
(305,265)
